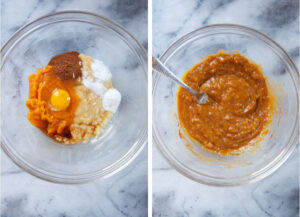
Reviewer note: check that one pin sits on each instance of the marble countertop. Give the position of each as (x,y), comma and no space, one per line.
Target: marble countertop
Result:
(125,193)
(175,195)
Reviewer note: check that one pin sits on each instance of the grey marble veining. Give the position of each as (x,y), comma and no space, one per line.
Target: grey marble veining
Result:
(177,196)
(123,194)
(130,13)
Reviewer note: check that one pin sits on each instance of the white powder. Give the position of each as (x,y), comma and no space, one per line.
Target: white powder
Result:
(100,71)
(84,74)
(97,87)
(111,100)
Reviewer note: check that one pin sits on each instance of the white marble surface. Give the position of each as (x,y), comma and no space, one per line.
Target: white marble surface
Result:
(175,195)
(124,194)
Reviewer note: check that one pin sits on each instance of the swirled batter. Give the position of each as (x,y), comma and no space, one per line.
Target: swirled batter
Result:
(240,106)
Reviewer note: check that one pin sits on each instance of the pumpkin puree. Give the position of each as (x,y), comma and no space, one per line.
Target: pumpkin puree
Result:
(41,113)
(240,105)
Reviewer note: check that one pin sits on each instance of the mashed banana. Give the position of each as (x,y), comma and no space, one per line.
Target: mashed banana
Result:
(89,119)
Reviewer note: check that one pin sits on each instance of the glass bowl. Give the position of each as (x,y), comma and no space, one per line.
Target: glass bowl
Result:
(123,138)
(251,164)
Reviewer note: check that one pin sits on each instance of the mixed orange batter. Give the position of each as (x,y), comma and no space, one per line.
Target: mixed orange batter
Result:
(239,108)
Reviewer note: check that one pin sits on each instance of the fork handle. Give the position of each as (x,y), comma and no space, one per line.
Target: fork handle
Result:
(159,67)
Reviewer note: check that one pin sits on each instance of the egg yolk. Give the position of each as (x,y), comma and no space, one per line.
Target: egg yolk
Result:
(60,99)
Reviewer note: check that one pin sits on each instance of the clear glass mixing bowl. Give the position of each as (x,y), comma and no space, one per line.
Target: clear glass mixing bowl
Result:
(252,164)
(125,136)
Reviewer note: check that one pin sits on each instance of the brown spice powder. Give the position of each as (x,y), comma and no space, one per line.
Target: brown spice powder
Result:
(66,65)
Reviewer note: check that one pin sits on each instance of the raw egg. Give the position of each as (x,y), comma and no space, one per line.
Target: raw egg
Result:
(60,99)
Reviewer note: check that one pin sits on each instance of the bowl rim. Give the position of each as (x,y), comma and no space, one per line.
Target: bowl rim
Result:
(135,148)
(269,168)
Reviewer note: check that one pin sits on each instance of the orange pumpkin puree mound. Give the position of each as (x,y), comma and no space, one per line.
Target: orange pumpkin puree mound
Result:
(240,105)
(41,113)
